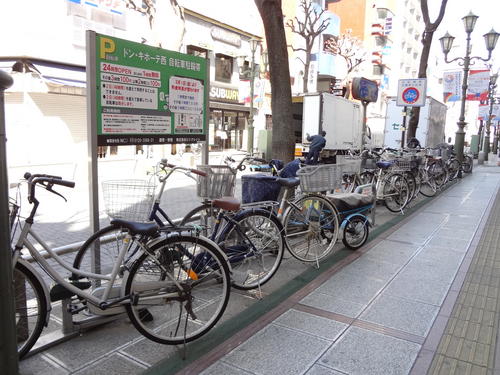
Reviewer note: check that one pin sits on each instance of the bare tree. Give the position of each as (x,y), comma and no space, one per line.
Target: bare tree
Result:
(310,28)
(163,20)
(351,49)
(283,142)
(430,28)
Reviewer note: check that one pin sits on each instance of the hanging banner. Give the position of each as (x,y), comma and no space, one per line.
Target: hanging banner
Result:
(484,110)
(147,95)
(452,86)
(478,84)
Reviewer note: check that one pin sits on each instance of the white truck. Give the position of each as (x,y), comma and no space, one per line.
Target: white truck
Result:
(340,118)
(430,130)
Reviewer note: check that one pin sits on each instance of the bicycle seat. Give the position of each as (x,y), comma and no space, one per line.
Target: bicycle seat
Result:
(384,164)
(288,182)
(227,203)
(147,229)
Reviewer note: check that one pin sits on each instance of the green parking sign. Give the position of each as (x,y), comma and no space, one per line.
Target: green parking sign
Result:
(146,95)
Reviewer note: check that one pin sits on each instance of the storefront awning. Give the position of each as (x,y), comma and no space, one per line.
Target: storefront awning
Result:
(229,107)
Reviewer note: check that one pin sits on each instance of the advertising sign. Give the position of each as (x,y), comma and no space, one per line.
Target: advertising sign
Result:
(147,95)
(452,86)
(411,92)
(364,89)
(478,84)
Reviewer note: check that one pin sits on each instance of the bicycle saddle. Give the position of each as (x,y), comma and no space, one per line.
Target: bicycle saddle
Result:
(227,203)
(147,229)
(288,182)
(384,164)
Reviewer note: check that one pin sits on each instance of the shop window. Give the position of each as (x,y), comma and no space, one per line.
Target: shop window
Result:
(223,68)
(197,51)
(113,150)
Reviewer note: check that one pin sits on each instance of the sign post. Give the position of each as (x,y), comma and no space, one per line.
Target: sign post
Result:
(411,93)
(367,91)
(141,95)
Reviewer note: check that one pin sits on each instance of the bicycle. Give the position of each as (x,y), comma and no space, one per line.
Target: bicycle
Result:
(251,237)
(162,284)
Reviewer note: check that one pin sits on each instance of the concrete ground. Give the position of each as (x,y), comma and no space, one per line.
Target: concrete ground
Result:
(421,295)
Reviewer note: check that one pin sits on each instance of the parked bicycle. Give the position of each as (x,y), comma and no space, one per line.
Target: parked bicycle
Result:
(159,279)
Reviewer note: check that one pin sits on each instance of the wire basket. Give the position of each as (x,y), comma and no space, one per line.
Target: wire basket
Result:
(128,199)
(350,166)
(401,165)
(219,182)
(314,178)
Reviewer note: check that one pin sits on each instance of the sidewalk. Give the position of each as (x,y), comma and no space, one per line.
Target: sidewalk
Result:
(381,310)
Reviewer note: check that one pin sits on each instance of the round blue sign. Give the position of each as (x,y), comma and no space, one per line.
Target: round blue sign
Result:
(410,95)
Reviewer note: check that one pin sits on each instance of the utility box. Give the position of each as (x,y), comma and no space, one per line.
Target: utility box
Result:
(430,130)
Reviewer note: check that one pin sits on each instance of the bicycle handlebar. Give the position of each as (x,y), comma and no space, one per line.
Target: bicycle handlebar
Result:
(164,163)
(46,180)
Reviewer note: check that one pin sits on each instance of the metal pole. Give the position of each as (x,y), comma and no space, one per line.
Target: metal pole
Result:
(480,134)
(363,130)
(205,151)
(250,116)
(8,343)
(488,123)
(495,140)
(403,133)
(460,134)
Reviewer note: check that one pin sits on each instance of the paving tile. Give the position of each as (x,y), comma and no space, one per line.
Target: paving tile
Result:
(456,244)
(392,252)
(308,323)
(39,364)
(322,370)
(352,287)
(115,364)
(220,367)
(372,268)
(151,352)
(334,304)
(363,352)
(407,316)
(268,351)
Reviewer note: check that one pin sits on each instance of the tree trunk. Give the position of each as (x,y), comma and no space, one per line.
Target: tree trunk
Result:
(283,142)
(305,79)
(430,27)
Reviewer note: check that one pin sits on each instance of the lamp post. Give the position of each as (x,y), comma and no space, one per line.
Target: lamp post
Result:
(490,39)
(250,73)
(491,89)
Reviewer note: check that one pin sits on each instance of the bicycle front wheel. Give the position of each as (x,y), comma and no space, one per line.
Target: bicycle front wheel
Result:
(467,164)
(31,308)
(311,228)
(254,245)
(178,291)
(396,192)
(204,216)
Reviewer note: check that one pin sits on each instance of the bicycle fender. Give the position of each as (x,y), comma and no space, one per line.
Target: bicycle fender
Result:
(44,286)
(347,219)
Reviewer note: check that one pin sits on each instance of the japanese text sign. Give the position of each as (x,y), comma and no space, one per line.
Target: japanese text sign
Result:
(148,95)
(411,92)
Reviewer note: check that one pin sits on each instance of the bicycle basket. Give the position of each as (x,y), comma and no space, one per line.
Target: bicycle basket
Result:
(219,182)
(314,178)
(403,165)
(128,199)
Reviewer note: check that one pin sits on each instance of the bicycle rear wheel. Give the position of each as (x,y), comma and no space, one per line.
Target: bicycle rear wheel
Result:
(254,244)
(183,286)
(31,308)
(311,228)
(204,216)
(428,186)
(467,164)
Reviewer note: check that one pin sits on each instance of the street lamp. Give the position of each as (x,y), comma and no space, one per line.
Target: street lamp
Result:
(490,39)
(250,73)
(491,89)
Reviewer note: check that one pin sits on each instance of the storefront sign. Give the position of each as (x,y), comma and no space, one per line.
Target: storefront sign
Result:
(147,95)
(225,36)
(224,94)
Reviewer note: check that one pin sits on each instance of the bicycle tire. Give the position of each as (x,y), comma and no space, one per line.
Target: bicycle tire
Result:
(254,244)
(32,314)
(302,227)
(395,190)
(412,186)
(207,215)
(109,241)
(467,164)
(197,265)
(355,232)
(453,166)
(427,186)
